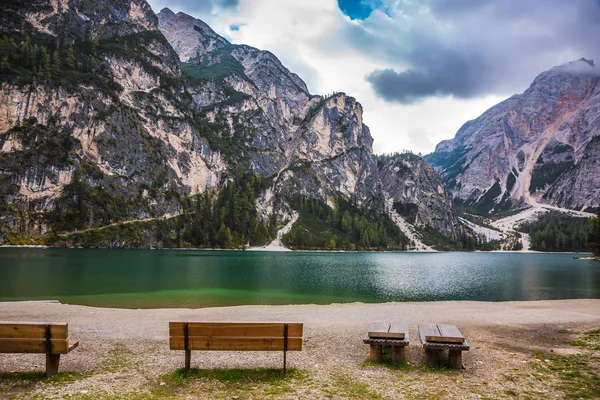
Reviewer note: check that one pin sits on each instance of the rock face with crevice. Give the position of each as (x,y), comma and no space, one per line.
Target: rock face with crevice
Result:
(418,193)
(311,145)
(531,147)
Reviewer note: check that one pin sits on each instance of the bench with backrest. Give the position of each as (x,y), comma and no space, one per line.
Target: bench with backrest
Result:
(235,336)
(51,339)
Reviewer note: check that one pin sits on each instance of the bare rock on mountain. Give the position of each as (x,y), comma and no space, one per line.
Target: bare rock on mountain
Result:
(311,145)
(516,150)
(418,193)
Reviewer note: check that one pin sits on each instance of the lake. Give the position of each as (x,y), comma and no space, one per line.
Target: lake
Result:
(172,278)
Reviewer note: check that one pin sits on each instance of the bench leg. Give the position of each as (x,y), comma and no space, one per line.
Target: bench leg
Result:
(398,354)
(52,361)
(376,353)
(188,357)
(455,359)
(431,357)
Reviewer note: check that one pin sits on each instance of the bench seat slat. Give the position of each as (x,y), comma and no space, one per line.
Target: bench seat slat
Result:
(233,343)
(249,329)
(36,330)
(23,345)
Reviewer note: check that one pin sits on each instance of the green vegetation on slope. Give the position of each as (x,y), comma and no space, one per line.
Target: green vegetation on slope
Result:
(594,235)
(546,174)
(464,241)
(227,220)
(345,227)
(557,232)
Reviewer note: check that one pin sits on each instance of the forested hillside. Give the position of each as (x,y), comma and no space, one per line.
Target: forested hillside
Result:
(558,232)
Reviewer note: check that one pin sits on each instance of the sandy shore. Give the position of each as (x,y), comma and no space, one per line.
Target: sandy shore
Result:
(503,335)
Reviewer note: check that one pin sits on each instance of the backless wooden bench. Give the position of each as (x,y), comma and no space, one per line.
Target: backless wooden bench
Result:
(235,336)
(436,338)
(393,335)
(52,339)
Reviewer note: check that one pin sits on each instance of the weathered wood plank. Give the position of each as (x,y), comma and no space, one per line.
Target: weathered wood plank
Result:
(17,330)
(52,362)
(235,343)
(427,330)
(238,329)
(58,346)
(434,334)
(451,333)
(398,331)
(376,353)
(379,330)
(455,359)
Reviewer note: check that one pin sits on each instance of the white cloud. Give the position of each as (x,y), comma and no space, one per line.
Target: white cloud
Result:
(310,38)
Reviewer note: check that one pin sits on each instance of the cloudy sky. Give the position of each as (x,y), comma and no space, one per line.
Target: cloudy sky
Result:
(420,68)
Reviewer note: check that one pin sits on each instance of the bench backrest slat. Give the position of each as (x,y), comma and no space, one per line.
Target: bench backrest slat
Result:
(235,343)
(261,336)
(241,329)
(31,337)
(24,345)
(10,330)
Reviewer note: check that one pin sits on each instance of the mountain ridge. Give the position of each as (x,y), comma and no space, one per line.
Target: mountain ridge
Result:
(212,152)
(536,136)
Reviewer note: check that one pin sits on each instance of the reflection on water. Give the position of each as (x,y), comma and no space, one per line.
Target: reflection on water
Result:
(153,278)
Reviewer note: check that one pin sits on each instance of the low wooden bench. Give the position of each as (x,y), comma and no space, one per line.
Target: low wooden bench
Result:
(52,339)
(235,336)
(436,338)
(393,335)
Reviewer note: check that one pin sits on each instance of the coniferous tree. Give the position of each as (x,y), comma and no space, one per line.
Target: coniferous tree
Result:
(45,63)
(4,64)
(33,59)
(70,57)
(26,52)
(55,63)
(594,235)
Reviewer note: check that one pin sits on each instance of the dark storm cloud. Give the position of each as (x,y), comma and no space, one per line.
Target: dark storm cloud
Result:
(469,48)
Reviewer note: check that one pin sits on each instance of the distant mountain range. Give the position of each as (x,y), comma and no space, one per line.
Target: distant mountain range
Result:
(122,128)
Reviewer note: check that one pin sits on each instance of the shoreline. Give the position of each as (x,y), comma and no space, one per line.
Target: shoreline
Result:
(467,312)
(286,250)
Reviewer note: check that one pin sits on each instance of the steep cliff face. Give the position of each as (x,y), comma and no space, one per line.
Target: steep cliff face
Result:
(107,121)
(514,152)
(418,193)
(113,99)
(580,185)
(313,146)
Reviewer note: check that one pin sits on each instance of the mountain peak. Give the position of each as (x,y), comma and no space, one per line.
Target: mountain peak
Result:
(166,11)
(582,66)
(189,36)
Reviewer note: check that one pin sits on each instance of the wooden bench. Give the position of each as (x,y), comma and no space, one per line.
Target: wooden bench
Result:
(393,335)
(235,336)
(52,339)
(436,338)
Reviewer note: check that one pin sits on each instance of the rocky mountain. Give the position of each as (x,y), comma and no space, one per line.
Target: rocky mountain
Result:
(417,193)
(313,145)
(538,146)
(122,128)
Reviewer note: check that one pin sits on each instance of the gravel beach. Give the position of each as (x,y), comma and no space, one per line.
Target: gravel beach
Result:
(124,353)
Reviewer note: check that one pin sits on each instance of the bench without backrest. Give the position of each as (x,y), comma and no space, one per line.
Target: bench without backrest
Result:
(438,337)
(235,336)
(51,339)
(384,334)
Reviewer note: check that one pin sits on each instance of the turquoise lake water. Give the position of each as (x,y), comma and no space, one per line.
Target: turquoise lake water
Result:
(171,278)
